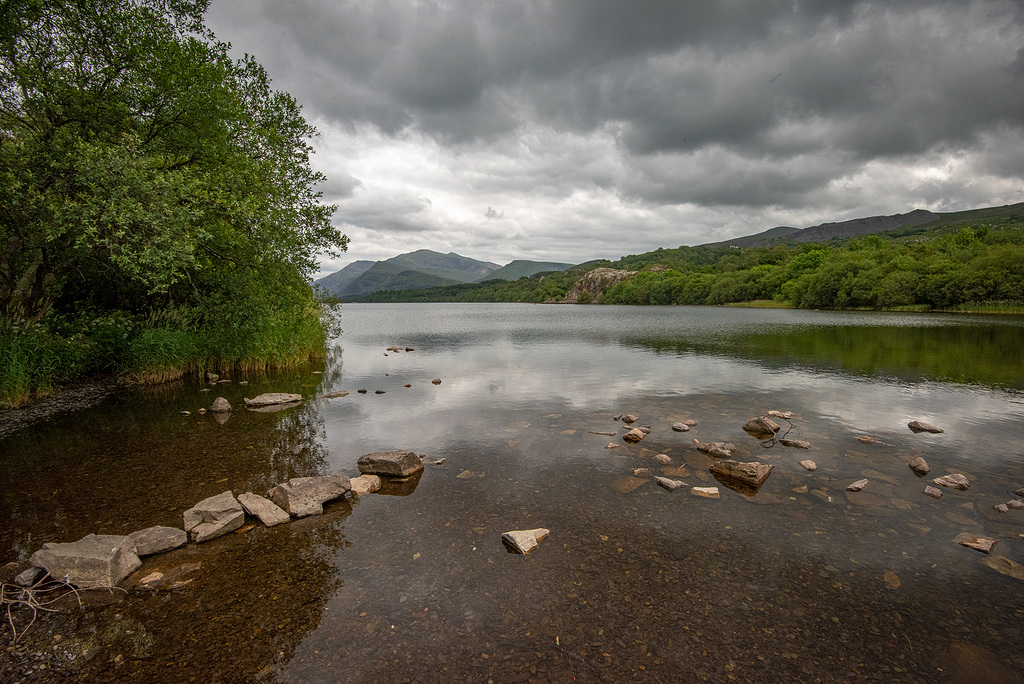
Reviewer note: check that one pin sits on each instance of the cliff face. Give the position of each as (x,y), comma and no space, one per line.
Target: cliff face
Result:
(591,285)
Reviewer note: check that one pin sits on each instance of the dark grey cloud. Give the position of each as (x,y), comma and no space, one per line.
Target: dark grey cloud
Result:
(778,104)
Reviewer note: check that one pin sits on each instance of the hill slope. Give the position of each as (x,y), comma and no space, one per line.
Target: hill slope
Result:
(520,268)
(450,266)
(337,281)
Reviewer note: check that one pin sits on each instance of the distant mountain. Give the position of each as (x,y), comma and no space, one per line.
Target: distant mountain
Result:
(336,282)
(862,226)
(767,237)
(514,270)
(414,270)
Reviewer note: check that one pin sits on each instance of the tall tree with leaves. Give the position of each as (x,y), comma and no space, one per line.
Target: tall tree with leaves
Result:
(141,166)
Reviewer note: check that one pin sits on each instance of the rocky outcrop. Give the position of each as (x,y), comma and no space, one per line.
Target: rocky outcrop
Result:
(390,463)
(303,496)
(590,287)
(213,517)
(96,560)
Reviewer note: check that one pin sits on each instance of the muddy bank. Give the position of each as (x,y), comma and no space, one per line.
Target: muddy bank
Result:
(68,399)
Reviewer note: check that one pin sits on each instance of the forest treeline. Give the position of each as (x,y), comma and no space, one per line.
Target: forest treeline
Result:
(968,266)
(159,215)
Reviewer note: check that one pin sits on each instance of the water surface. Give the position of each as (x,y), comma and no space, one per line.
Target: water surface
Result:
(801,582)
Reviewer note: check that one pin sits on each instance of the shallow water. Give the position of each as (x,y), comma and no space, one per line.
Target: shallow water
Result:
(801,582)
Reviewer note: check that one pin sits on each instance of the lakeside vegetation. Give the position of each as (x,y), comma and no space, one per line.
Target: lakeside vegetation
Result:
(160,214)
(958,267)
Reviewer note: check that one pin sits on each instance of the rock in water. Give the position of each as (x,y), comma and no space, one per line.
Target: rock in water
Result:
(977,542)
(864,439)
(629,419)
(436,381)
(390,463)
(213,517)
(795,443)
(670,485)
(761,427)
(680,427)
(96,560)
(706,492)
(857,486)
(220,405)
(336,395)
(634,435)
(271,399)
(663,459)
(365,484)
(153,540)
(785,415)
(1002,508)
(1005,566)
(302,496)
(918,426)
(932,492)
(267,511)
(524,541)
(28,578)
(752,474)
(955,480)
(809,465)
(920,466)
(715,449)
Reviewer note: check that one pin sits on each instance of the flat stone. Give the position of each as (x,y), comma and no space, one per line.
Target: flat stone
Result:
(857,486)
(220,405)
(918,426)
(955,480)
(795,443)
(272,399)
(715,449)
(919,466)
(627,483)
(932,492)
(390,463)
(213,517)
(304,496)
(157,539)
(634,435)
(663,459)
(365,484)
(670,485)
(706,492)
(1005,566)
(28,578)
(336,395)
(524,541)
(785,415)
(864,439)
(267,511)
(752,474)
(680,427)
(96,560)
(809,465)
(977,542)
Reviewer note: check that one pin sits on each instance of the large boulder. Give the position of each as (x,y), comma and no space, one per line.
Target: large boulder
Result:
(590,287)
(303,496)
(390,463)
(213,516)
(752,474)
(97,560)
(157,539)
(272,399)
(268,512)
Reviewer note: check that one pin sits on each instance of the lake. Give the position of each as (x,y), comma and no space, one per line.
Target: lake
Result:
(800,581)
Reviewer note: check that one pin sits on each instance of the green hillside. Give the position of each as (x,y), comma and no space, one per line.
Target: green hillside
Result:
(520,268)
(388,276)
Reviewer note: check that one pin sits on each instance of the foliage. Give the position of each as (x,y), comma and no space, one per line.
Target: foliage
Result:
(145,170)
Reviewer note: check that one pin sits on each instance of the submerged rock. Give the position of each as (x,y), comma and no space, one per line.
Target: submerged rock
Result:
(706,492)
(634,435)
(809,465)
(96,560)
(267,511)
(761,427)
(336,395)
(920,466)
(642,472)
(524,541)
(955,480)
(213,516)
(785,415)
(857,486)
(1005,566)
(977,542)
(390,463)
(670,485)
(303,496)
(1002,508)
(629,419)
(917,426)
(663,459)
(864,439)
(795,443)
(1015,504)
(752,474)
(715,449)
(272,399)
(157,539)
(932,492)
(680,427)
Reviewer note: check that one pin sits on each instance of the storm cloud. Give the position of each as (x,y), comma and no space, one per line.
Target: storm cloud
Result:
(567,130)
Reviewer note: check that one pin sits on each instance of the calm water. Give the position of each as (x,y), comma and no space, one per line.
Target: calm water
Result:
(801,582)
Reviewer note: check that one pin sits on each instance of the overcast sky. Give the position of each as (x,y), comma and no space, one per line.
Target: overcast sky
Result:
(567,130)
